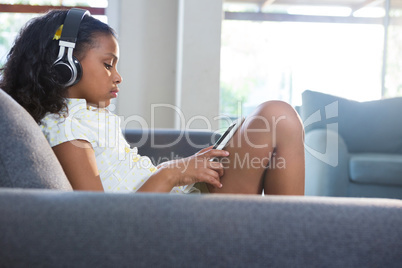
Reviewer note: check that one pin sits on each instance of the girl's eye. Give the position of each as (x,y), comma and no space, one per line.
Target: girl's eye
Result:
(108,66)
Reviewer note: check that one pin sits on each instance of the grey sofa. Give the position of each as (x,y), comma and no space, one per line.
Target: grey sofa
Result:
(43,223)
(353,149)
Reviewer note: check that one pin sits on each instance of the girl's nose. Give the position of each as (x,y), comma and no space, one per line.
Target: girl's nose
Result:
(118,78)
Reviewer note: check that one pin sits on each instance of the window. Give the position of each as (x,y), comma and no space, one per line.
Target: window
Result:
(393,54)
(278,51)
(14,14)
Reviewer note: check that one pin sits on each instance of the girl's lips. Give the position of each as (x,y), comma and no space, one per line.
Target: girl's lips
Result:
(114,93)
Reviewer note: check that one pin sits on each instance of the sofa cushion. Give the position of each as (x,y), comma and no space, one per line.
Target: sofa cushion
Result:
(379,169)
(26,159)
(373,126)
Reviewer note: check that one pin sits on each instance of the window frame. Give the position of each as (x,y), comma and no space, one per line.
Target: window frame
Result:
(8,8)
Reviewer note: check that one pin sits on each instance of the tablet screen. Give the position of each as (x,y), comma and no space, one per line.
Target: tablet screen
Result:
(224,135)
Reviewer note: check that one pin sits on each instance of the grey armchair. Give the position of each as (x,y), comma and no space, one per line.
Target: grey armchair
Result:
(353,148)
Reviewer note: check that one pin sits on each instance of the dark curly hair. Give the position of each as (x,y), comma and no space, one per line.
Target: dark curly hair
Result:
(27,74)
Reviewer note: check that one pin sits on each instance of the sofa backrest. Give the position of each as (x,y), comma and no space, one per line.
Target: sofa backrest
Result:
(366,127)
(168,144)
(26,159)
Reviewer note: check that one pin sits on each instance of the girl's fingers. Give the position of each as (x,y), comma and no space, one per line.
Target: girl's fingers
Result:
(205,150)
(199,168)
(212,177)
(216,166)
(216,153)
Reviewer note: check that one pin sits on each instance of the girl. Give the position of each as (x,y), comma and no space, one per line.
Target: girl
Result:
(266,153)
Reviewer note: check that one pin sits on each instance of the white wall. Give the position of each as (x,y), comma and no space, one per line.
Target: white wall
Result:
(169,56)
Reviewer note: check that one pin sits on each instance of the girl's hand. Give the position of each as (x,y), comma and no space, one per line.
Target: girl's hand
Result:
(197,168)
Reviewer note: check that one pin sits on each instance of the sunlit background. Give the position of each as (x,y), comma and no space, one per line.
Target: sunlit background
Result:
(277,49)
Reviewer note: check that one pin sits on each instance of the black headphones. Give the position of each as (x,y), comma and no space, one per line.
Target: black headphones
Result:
(67,68)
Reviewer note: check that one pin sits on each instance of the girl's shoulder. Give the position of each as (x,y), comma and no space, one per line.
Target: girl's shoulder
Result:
(83,122)
(77,122)
(78,110)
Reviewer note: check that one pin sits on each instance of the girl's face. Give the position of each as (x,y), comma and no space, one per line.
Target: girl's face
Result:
(100,79)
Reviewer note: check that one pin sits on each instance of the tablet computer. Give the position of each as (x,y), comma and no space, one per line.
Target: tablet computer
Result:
(221,143)
(225,138)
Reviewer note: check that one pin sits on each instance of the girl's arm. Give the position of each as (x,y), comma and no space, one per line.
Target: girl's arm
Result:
(78,161)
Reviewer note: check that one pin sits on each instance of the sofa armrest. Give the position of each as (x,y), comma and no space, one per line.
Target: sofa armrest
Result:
(166,144)
(327,163)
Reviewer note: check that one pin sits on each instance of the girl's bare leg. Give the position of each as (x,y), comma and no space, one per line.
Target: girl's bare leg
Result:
(266,153)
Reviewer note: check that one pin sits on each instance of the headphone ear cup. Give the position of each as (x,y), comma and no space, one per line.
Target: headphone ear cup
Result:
(62,72)
(79,70)
(65,74)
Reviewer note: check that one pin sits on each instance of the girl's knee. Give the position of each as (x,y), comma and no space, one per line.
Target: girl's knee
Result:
(283,120)
(276,111)
(275,107)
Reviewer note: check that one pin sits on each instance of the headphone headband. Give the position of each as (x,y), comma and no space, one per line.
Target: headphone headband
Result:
(72,24)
